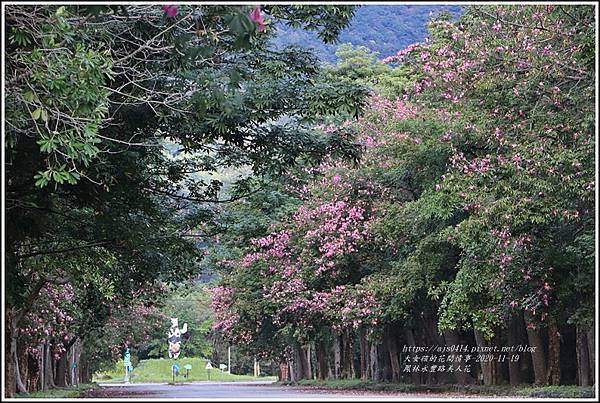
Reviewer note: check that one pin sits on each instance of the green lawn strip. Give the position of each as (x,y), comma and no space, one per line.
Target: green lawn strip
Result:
(157,370)
(66,392)
(562,391)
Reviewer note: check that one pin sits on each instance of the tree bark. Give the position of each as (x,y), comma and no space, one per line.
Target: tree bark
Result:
(9,365)
(293,364)
(553,353)
(538,356)
(364,356)
(487,366)
(337,357)
(35,369)
(305,367)
(42,368)
(434,338)
(23,358)
(513,340)
(375,368)
(452,338)
(581,347)
(409,335)
(392,347)
(321,352)
(348,370)
(13,347)
(61,371)
(591,352)
(48,368)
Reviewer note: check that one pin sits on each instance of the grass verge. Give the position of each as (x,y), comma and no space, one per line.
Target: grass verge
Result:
(157,370)
(562,391)
(66,392)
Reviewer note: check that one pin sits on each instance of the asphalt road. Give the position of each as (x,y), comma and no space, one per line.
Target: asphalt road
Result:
(239,390)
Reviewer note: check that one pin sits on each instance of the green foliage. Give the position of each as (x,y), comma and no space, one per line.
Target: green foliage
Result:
(115,117)
(64,100)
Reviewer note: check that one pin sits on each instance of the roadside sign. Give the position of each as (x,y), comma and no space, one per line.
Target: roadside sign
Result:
(187,366)
(222,367)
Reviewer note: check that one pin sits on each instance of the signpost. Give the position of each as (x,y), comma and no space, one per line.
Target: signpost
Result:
(127,364)
(187,369)
(175,368)
(73,377)
(208,369)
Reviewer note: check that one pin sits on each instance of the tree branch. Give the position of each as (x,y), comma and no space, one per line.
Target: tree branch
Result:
(50,252)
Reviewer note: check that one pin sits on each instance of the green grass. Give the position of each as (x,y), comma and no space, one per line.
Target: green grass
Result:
(562,391)
(67,392)
(160,371)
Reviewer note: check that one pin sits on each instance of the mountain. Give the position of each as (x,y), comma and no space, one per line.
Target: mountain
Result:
(385,29)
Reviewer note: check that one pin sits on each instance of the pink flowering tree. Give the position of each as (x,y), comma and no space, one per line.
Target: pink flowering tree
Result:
(468,219)
(512,87)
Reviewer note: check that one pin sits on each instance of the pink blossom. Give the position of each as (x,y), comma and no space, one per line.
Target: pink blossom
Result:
(256,16)
(170,11)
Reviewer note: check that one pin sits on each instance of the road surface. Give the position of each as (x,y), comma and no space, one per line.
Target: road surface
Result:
(263,390)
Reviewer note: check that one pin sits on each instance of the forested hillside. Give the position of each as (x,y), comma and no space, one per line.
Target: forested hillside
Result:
(381,28)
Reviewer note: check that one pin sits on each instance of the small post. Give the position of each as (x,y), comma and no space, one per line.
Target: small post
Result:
(208,368)
(127,364)
(229,359)
(175,369)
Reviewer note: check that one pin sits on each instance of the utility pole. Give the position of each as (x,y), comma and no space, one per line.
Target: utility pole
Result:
(229,359)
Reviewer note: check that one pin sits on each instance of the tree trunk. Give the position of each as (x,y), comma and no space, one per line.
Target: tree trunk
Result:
(13,347)
(348,370)
(538,356)
(305,367)
(309,353)
(364,356)
(48,368)
(42,368)
(452,338)
(9,364)
(13,373)
(337,357)
(591,352)
(581,346)
(23,357)
(432,338)
(33,371)
(61,371)
(392,347)
(293,364)
(513,340)
(375,368)
(321,351)
(409,335)
(487,365)
(553,353)
(85,370)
